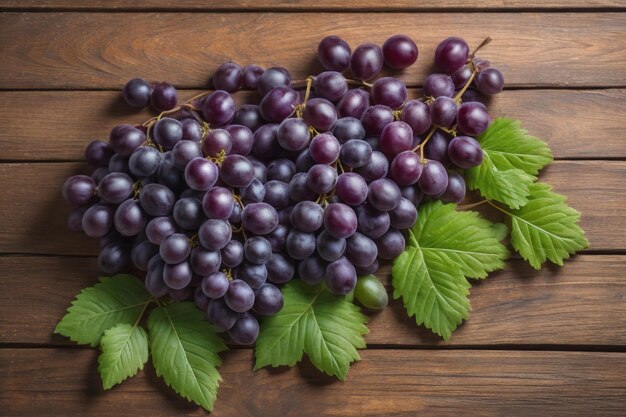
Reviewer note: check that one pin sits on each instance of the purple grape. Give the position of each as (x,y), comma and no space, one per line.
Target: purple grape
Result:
(438,85)
(465,152)
(437,147)
(157,199)
(472,118)
(321,178)
(144,161)
(266,141)
(489,81)
(277,194)
(443,112)
(406,168)
(434,178)
(384,194)
(167,132)
(205,262)
(355,153)
(159,228)
(324,148)
(311,270)
(239,296)
(218,203)
(396,137)
(372,223)
(366,61)
(417,115)
(178,276)
(192,130)
(113,258)
(361,250)
(461,76)
(227,77)
(293,134)
(399,52)
(334,53)
(348,128)
(218,108)
(255,275)
(175,248)
(237,171)
(129,218)
(340,277)
(353,103)
(200,300)
(137,92)
(298,190)
(281,170)
(259,218)
(278,237)
(99,173)
(98,220)
(413,194)
(124,139)
(242,139)
(154,281)
(455,191)
(271,78)
(268,301)
(279,103)
(216,142)
(404,215)
(330,85)
(390,245)
(78,190)
(249,115)
(376,168)
(119,163)
(304,161)
(300,245)
(368,269)
(250,77)
(164,96)
(375,118)
(320,114)
(257,250)
(245,330)
(351,188)
(329,247)
(389,91)
(232,254)
(451,54)
(201,174)
(215,285)
(221,315)
(98,153)
(214,234)
(340,220)
(75,219)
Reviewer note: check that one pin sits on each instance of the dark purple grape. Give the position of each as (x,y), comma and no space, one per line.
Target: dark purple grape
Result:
(278,237)
(351,188)
(221,315)
(266,141)
(271,78)
(376,168)
(236,171)
(293,134)
(203,261)
(113,258)
(154,282)
(268,300)
(417,115)
(304,161)
(455,191)
(461,76)
(489,81)
(169,175)
(372,223)
(340,220)
(281,170)
(320,114)
(361,250)
(434,178)
(399,52)
(144,161)
(355,153)
(98,153)
(383,194)
(78,190)
(250,77)
(330,85)
(465,152)
(215,285)
(437,147)
(124,139)
(471,95)
(200,300)
(235,217)
(227,77)
(192,130)
(177,276)
(413,194)
(340,277)
(388,91)
(311,270)
(129,218)
(334,53)
(98,220)
(348,128)
(321,178)
(164,96)
(159,228)
(137,92)
(443,112)
(157,199)
(375,118)
(324,148)
(239,296)
(232,254)
(259,218)
(216,142)
(280,269)
(366,62)
(406,168)
(188,213)
(404,215)
(99,173)
(390,245)
(249,115)
(438,85)
(218,108)
(242,139)
(396,137)
(167,132)
(257,250)
(175,248)
(119,163)
(329,247)
(353,103)
(255,275)
(451,54)
(277,194)
(298,190)
(253,193)
(245,330)
(183,152)
(279,104)
(214,234)
(472,118)
(201,174)
(115,188)
(300,245)
(367,270)
(218,203)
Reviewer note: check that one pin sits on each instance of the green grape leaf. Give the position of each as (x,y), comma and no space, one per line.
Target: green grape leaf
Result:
(124,352)
(326,327)
(114,300)
(511,161)
(184,348)
(444,248)
(545,228)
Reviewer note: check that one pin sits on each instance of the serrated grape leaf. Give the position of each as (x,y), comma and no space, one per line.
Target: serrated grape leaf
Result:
(184,348)
(444,247)
(511,161)
(545,228)
(114,300)
(124,352)
(326,327)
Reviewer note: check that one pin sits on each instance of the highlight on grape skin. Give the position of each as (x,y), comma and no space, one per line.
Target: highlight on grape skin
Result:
(221,202)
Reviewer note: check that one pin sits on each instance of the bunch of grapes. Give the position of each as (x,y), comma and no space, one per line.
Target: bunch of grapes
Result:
(220,203)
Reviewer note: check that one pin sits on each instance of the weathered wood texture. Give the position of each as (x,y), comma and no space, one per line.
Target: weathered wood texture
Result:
(54,382)
(332,5)
(573,122)
(579,304)
(564,49)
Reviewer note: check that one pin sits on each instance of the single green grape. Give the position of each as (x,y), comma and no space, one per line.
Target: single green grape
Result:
(370,292)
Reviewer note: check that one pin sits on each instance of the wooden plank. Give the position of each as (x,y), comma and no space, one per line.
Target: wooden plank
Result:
(581,303)
(87,115)
(34,217)
(52,382)
(360,5)
(61,50)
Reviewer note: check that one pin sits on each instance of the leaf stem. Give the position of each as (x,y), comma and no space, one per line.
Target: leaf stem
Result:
(472,205)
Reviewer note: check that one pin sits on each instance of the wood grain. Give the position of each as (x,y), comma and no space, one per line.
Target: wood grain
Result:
(87,115)
(34,217)
(531,49)
(52,382)
(579,304)
(331,5)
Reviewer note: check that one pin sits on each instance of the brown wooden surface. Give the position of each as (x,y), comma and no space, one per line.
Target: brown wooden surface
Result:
(532,49)
(385,383)
(549,342)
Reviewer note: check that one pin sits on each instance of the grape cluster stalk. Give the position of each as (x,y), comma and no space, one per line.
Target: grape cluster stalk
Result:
(221,204)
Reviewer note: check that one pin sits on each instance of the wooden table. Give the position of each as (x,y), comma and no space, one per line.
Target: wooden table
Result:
(538,343)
